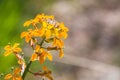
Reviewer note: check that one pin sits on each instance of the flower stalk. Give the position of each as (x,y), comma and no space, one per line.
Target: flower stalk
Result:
(30,62)
(49,31)
(26,70)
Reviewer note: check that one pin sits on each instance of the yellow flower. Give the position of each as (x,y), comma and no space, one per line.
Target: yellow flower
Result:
(33,57)
(47,27)
(41,55)
(48,73)
(27,23)
(62,35)
(48,33)
(12,49)
(61,54)
(14,76)
(41,31)
(57,42)
(44,54)
(29,34)
(52,30)
(8,76)
(35,54)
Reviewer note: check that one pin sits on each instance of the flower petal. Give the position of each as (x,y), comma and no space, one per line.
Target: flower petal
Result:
(17,50)
(48,33)
(33,57)
(23,34)
(41,59)
(49,56)
(7,53)
(41,31)
(16,45)
(17,71)
(8,76)
(45,68)
(37,48)
(27,38)
(8,47)
(61,54)
(27,23)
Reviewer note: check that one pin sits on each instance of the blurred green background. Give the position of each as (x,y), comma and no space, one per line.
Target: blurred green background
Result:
(10,20)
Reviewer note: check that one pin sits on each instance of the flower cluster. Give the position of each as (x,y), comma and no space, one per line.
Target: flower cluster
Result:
(15,49)
(42,29)
(48,28)
(15,75)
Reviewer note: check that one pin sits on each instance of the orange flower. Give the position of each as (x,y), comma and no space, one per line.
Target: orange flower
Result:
(44,54)
(41,55)
(61,54)
(48,73)
(46,26)
(29,34)
(14,76)
(12,49)
(27,23)
(57,42)
(45,74)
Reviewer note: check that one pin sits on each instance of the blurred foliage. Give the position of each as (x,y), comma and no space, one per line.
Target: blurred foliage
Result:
(10,29)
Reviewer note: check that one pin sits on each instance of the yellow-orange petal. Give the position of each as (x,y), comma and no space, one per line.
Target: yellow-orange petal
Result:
(41,31)
(44,55)
(23,34)
(20,61)
(48,33)
(41,59)
(45,68)
(27,23)
(60,43)
(7,53)
(66,29)
(36,20)
(15,45)
(42,50)
(17,71)
(14,78)
(49,56)
(65,35)
(54,42)
(27,38)
(8,76)
(61,54)
(49,76)
(17,50)
(50,26)
(44,24)
(19,78)
(8,47)
(37,48)
(33,57)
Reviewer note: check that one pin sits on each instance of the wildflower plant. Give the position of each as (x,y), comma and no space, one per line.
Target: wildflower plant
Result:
(43,29)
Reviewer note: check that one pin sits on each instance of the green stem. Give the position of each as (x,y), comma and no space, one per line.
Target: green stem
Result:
(29,64)
(42,41)
(26,70)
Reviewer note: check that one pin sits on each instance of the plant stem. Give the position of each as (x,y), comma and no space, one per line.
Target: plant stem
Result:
(42,41)
(29,64)
(26,70)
